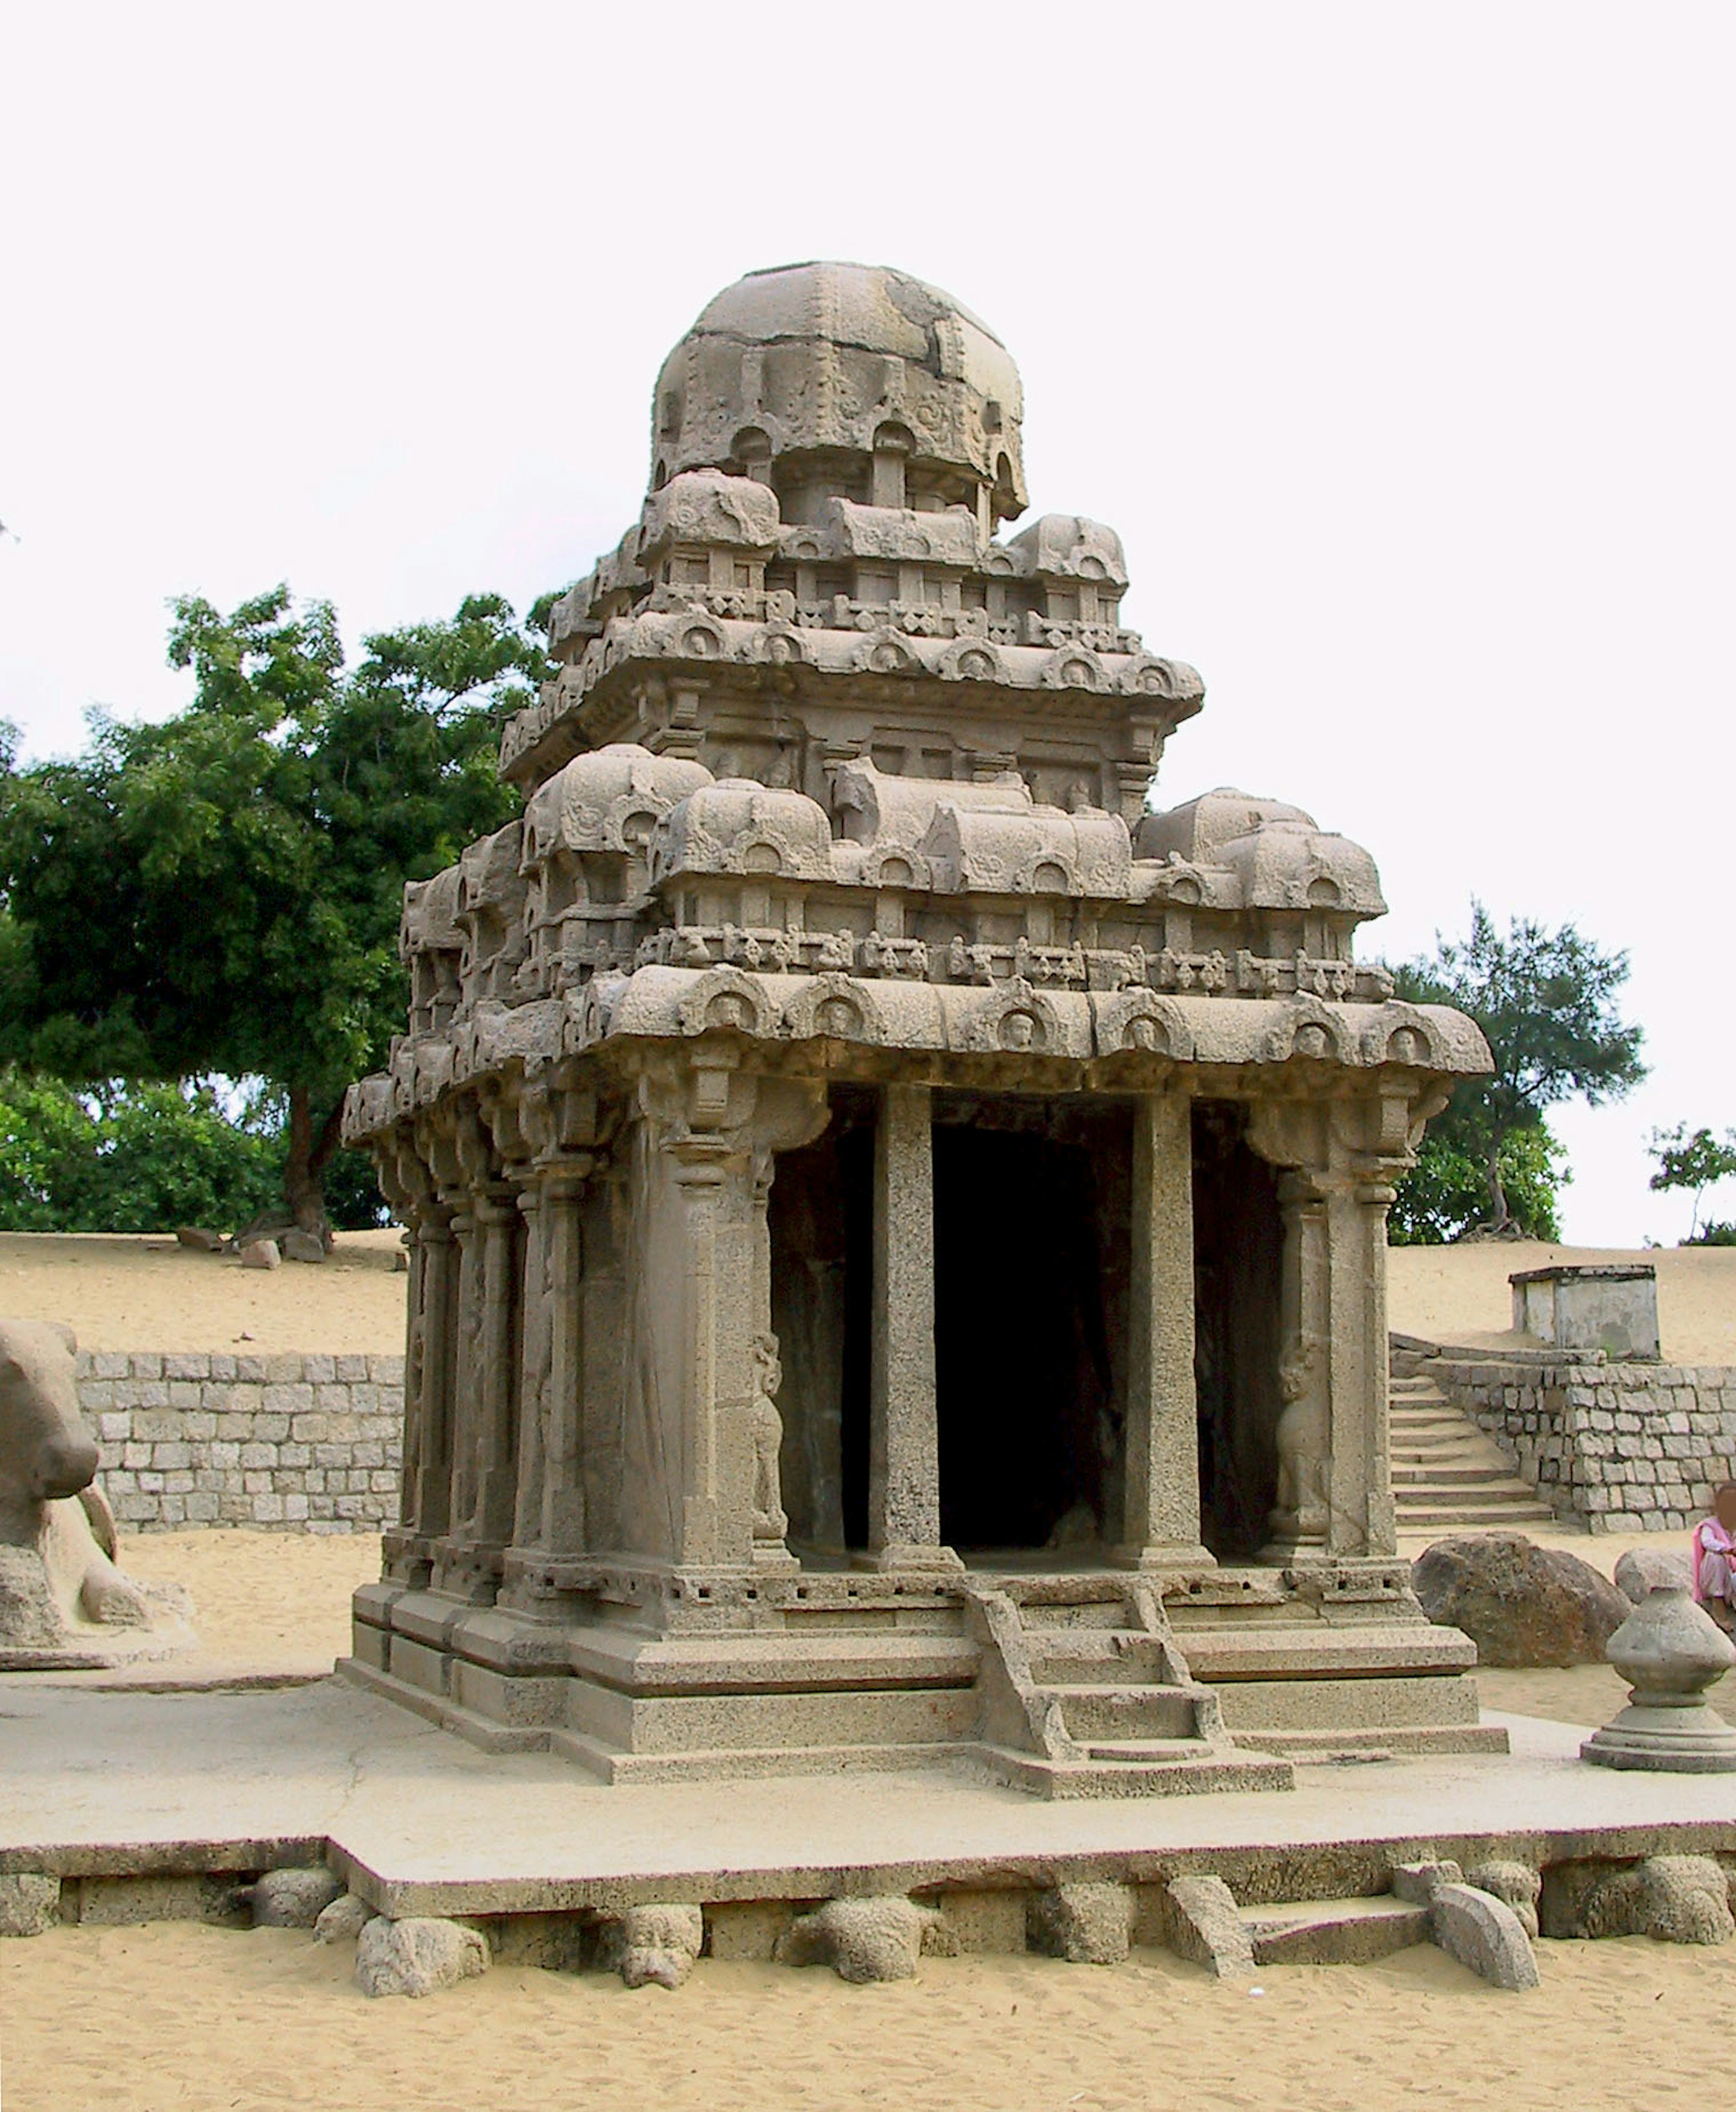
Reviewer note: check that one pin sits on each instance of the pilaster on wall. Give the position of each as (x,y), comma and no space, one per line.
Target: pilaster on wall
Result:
(1338,1159)
(699,1301)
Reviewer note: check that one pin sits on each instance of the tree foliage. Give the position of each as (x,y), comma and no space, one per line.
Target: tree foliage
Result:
(1547,1002)
(1446,1194)
(111,1159)
(219,892)
(1696,1163)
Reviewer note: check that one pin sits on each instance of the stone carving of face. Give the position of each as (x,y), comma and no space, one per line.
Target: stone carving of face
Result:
(1313,1041)
(730,1008)
(838,1018)
(1018,1030)
(1143,1034)
(1406,1047)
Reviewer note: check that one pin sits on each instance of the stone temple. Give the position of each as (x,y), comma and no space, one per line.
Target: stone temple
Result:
(896,1220)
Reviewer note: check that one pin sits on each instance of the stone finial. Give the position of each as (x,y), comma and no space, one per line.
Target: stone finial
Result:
(1670,1650)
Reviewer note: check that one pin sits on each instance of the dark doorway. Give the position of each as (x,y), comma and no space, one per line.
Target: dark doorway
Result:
(1238,1259)
(1031,1257)
(820,1218)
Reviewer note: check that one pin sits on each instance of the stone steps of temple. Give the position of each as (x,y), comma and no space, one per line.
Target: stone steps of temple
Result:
(1456,1517)
(1137,1768)
(1434,1476)
(1446,1471)
(1121,1714)
(1353,1932)
(1096,1658)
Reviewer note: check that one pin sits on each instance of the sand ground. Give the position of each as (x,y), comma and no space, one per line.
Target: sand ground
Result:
(201,2019)
(1462,1293)
(118,1292)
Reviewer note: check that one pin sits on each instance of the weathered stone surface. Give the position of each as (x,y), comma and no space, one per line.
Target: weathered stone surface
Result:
(1520,1604)
(344,1920)
(1516,1885)
(294,1899)
(1678,1899)
(1484,1933)
(29,1902)
(63,1600)
(261,1253)
(298,1246)
(1200,1921)
(1416,1884)
(835,873)
(879,1938)
(742,1930)
(1639,1568)
(1670,1650)
(417,1956)
(197,1237)
(1087,1924)
(654,1946)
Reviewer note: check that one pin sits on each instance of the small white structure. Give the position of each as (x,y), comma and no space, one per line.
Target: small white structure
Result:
(1612,1307)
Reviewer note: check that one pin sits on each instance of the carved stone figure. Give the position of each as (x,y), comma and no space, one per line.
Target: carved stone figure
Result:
(63,1600)
(1304,1439)
(864,1166)
(770,1522)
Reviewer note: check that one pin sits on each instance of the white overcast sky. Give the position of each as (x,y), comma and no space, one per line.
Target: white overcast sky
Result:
(1396,340)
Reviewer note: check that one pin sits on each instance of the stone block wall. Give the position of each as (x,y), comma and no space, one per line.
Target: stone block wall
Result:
(310,1444)
(1622,1448)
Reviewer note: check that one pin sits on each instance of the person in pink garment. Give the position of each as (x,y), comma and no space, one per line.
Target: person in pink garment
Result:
(1715,1558)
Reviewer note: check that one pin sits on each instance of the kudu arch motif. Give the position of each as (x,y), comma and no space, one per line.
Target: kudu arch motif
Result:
(897,1228)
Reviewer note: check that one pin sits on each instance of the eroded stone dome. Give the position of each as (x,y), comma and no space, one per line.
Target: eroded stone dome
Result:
(845,380)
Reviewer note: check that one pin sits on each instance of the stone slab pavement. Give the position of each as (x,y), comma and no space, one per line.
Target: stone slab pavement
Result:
(125,1783)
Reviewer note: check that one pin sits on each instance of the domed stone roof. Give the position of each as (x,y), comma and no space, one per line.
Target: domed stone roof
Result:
(807,376)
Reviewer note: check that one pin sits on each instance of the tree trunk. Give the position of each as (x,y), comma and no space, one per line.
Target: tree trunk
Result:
(308,1154)
(1500,1218)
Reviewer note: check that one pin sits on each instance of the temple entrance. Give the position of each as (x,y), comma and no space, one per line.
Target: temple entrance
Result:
(1238,1257)
(1031,1252)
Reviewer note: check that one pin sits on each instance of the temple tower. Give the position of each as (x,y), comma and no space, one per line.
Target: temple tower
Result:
(898,1222)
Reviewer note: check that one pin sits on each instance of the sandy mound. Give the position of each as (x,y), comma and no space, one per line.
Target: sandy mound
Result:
(203,2018)
(126,1291)
(120,1291)
(1461,1294)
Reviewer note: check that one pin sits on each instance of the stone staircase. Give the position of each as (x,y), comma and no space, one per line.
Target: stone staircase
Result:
(1446,1473)
(1087,1695)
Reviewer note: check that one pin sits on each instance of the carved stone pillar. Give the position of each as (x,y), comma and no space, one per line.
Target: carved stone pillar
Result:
(1301,1515)
(496,1216)
(700,1302)
(1335,1452)
(1161,1527)
(904,1439)
(408,1185)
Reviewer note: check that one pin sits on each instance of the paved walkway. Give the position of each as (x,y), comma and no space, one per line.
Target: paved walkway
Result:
(121,1783)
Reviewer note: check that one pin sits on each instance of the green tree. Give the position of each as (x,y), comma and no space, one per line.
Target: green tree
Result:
(1547,1002)
(1697,1163)
(114,1159)
(220,893)
(1445,1193)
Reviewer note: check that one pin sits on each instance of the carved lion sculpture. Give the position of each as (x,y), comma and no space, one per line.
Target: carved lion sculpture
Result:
(62,1600)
